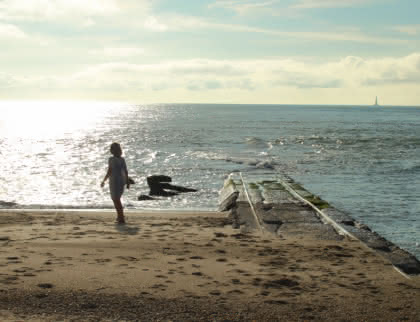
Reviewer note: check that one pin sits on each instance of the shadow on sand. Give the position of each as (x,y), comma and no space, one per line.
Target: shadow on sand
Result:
(126,229)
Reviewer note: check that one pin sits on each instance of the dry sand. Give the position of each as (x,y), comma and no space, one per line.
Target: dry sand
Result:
(188,266)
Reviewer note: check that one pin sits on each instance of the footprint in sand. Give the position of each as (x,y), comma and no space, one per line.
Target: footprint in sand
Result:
(215,293)
(128,258)
(10,280)
(276,302)
(103,260)
(280,283)
(159,286)
(196,257)
(29,274)
(45,285)
(13,260)
(240,271)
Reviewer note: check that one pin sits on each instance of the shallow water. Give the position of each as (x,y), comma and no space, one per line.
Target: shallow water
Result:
(363,160)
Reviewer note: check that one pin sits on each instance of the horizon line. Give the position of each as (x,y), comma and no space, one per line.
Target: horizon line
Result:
(192,103)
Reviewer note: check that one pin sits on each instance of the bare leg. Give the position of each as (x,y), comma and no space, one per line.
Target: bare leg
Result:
(120,211)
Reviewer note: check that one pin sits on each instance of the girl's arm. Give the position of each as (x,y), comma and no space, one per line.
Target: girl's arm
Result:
(108,174)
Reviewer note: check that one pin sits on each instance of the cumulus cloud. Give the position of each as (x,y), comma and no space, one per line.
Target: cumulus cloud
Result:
(41,9)
(11,31)
(72,10)
(241,76)
(408,29)
(153,24)
(118,51)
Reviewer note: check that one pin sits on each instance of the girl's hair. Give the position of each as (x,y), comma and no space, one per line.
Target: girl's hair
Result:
(116,149)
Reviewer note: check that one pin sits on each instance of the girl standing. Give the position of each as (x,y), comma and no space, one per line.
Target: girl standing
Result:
(118,178)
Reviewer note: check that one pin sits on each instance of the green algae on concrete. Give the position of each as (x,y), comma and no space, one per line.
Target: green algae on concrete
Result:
(318,202)
(273,185)
(297,186)
(253,185)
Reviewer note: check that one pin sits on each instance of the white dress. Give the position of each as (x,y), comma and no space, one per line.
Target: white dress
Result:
(118,179)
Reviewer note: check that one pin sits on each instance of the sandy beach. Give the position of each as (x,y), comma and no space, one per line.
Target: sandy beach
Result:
(188,266)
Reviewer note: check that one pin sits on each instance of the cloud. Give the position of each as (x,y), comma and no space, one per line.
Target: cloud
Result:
(408,29)
(313,4)
(41,9)
(11,31)
(200,76)
(394,71)
(241,7)
(152,23)
(118,51)
(187,23)
(277,7)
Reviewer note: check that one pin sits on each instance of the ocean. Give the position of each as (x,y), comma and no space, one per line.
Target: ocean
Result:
(364,160)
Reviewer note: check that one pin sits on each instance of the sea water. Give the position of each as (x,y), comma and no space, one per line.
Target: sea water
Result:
(363,160)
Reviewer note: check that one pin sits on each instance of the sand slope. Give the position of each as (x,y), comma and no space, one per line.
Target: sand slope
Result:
(188,266)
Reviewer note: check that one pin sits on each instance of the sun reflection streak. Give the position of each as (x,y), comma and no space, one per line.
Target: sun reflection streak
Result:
(51,119)
(51,148)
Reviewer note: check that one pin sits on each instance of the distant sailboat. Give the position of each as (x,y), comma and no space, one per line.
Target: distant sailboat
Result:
(376,101)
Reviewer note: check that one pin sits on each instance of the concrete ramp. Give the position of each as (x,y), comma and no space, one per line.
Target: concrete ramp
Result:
(281,207)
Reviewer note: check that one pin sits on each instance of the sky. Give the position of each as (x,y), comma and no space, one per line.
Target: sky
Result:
(211,51)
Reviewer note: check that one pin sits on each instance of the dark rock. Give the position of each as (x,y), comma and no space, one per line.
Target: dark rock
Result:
(7,204)
(158,184)
(176,188)
(410,266)
(163,193)
(158,179)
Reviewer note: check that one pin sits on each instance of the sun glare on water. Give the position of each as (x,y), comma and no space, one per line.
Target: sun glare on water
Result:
(40,120)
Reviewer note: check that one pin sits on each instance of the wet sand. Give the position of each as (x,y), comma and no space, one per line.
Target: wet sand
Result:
(188,266)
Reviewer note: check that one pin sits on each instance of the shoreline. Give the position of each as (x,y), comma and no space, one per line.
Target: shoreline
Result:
(188,266)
